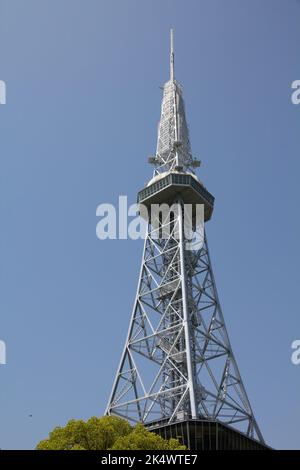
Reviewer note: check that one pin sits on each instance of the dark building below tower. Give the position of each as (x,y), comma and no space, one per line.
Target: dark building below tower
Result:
(197,434)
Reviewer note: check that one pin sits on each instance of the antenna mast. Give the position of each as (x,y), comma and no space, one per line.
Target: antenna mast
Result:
(171,55)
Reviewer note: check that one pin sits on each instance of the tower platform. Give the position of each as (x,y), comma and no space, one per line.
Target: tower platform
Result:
(166,187)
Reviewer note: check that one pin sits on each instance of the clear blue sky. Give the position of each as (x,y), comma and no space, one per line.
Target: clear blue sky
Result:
(83,101)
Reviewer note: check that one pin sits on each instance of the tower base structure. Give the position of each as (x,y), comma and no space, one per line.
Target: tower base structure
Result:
(200,434)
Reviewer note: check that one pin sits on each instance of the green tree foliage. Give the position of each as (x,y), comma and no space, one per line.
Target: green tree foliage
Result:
(94,434)
(141,439)
(108,432)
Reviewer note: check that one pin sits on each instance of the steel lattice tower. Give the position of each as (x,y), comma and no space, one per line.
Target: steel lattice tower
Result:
(178,361)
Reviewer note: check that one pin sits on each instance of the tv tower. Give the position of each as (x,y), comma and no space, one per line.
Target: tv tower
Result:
(177,366)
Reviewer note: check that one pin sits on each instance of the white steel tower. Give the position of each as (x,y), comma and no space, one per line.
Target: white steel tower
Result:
(177,361)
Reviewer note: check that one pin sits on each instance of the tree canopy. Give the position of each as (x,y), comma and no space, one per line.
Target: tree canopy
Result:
(141,439)
(105,433)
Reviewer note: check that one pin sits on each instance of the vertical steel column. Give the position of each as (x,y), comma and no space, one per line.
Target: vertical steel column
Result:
(186,319)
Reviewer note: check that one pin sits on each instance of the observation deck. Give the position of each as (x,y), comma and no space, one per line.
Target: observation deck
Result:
(168,186)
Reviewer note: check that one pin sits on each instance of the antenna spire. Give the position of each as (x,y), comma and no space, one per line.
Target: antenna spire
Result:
(171,55)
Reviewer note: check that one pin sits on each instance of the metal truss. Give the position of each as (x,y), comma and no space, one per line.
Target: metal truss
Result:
(173,144)
(177,360)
